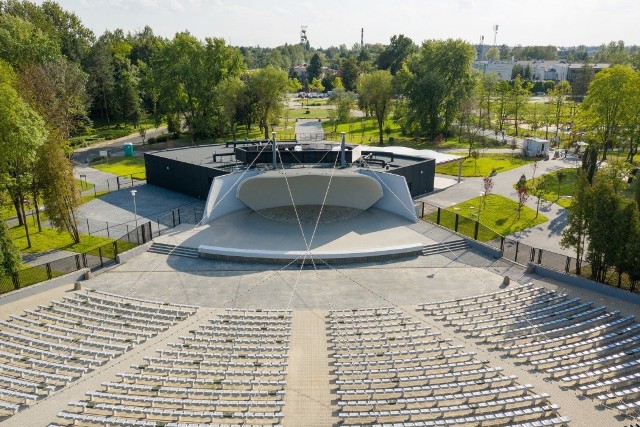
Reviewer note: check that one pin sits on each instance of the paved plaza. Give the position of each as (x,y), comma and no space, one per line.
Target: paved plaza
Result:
(310,291)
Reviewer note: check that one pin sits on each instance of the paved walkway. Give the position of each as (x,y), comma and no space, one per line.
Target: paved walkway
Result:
(545,236)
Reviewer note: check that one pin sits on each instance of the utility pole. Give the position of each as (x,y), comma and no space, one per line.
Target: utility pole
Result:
(495,34)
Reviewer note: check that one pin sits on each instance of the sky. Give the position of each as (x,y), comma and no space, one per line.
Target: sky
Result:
(271,23)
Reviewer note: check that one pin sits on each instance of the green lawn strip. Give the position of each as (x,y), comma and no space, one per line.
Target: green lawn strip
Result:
(313,113)
(485,164)
(123,166)
(48,239)
(84,185)
(500,214)
(556,191)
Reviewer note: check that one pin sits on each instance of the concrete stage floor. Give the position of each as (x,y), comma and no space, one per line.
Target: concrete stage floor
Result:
(250,231)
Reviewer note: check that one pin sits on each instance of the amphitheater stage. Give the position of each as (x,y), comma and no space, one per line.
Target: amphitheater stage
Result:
(275,237)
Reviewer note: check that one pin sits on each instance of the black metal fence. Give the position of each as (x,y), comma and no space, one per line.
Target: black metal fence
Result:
(182,215)
(512,250)
(94,259)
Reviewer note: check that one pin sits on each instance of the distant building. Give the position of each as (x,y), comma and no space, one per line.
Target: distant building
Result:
(574,70)
(540,70)
(502,68)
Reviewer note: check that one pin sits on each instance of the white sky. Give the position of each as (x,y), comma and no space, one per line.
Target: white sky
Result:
(271,23)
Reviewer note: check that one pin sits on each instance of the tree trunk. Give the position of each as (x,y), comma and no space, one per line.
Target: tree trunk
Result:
(16,205)
(37,208)
(380,131)
(24,223)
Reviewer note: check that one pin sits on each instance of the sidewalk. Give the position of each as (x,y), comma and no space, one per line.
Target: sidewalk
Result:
(544,236)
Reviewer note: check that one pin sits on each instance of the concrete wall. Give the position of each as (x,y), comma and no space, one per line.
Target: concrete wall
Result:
(312,187)
(396,197)
(585,283)
(222,198)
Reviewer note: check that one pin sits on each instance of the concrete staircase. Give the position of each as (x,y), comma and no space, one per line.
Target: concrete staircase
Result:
(165,249)
(445,247)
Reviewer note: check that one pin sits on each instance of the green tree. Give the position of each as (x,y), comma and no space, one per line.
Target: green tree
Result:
(440,78)
(486,91)
(314,70)
(233,93)
(375,91)
(10,258)
(63,28)
(56,90)
(558,99)
(102,83)
(60,193)
(316,85)
(636,189)
(268,87)
(631,128)
(523,193)
(628,254)
(22,131)
(343,101)
(393,56)
(604,107)
(575,233)
(349,74)
(187,73)
(590,162)
(605,229)
(519,97)
(21,43)
(493,54)
(502,101)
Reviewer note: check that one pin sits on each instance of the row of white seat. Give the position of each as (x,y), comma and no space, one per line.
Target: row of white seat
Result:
(530,295)
(204,378)
(79,324)
(180,403)
(110,421)
(618,327)
(130,310)
(453,383)
(421,360)
(474,421)
(466,398)
(510,416)
(75,332)
(93,317)
(43,350)
(521,304)
(455,302)
(144,302)
(152,390)
(485,384)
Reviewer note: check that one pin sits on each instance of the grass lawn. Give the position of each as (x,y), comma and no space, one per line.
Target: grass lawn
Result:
(500,214)
(301,113)
(49,239)
(556,192)
(84,185)
(123,166)
(484,165)
(108,132)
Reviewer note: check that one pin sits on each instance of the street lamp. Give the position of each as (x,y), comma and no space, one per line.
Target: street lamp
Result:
(135,209)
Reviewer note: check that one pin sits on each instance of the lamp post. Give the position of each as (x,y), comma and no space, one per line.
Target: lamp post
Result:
(135,209)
